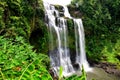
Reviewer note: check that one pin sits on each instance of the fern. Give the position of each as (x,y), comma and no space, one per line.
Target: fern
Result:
(19,62)
(2,76)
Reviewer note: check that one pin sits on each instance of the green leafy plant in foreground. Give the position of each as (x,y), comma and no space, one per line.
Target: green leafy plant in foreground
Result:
(19,62)
(60,73)
(76,77)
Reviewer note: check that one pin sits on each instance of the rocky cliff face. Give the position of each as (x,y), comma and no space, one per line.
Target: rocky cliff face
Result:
(74,11)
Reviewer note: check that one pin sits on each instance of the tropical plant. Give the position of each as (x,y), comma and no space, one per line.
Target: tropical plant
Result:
(18,61)
(102,29)
(83,76)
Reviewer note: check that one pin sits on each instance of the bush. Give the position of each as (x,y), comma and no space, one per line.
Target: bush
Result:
(102,29)
(18,61)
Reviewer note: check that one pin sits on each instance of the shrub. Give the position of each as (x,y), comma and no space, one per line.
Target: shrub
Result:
(18,61)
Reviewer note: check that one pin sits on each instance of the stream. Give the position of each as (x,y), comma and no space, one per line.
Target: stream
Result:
(100,74)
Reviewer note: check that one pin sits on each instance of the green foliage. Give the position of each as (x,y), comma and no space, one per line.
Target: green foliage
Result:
(112,53)
(2,24)
(17,17)
(70,24)
(21,18)
(59,7)
(75,77)
(18,61)
(102,29)
(71,33)
(60,73)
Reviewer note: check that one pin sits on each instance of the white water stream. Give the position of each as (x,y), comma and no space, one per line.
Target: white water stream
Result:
(58,43)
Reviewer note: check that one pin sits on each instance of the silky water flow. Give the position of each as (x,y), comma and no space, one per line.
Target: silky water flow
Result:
(59,52)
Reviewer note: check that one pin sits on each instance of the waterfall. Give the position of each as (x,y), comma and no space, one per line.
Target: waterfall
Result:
(59,51)
(80,45)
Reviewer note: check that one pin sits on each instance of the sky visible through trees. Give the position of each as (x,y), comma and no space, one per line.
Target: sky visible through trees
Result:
(61,2)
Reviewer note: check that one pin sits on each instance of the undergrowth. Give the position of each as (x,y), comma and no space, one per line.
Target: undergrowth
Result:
(19,62)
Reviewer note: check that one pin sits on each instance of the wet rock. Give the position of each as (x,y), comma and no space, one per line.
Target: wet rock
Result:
(61,14)
(59,8)
(76,66)
(74,11)
(109,68)
(53,74)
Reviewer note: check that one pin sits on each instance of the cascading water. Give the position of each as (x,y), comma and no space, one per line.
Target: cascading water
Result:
(58,44)
(80,45)
(59,56)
